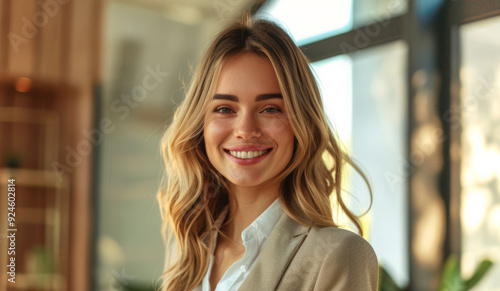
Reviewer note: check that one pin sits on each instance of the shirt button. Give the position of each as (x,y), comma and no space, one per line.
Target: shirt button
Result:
(243,268)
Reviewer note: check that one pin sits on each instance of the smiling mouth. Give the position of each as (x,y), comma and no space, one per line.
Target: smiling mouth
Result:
(247,154)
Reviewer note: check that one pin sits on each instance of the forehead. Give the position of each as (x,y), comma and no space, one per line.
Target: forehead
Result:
(247,73)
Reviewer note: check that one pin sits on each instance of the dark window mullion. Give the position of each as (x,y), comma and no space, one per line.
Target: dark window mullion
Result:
(370,35)
(466,11)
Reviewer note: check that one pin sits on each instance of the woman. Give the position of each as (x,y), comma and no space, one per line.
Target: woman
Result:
(249,186)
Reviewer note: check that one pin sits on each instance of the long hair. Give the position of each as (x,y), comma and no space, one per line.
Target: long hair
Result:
(193,193)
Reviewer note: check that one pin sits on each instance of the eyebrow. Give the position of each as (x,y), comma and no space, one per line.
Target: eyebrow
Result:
(260,97)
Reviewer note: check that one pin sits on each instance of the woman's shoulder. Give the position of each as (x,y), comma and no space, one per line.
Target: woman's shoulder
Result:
(338,242)
(335,232)
(332,258)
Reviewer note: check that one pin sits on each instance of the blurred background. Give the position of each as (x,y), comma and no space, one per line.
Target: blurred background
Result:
(87,88)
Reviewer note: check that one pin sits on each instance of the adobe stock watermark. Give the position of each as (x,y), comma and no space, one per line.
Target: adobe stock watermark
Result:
(122,278)
(30,27)
(485,88)
(226,8)
(281,122)
(122,106)
(364,37)
(115,280)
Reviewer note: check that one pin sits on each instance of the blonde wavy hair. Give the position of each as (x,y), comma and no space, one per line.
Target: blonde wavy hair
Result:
(193,193)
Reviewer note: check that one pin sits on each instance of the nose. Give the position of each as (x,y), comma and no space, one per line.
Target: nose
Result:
(247,127)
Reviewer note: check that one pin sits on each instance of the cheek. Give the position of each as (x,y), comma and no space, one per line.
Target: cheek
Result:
(279,127)
(215,132)
(280,131)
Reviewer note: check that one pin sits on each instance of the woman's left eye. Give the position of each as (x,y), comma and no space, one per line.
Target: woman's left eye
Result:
(223,110)
(272,109)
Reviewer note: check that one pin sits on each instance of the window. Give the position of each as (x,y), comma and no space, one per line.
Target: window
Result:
(413,87)
(480,150)
(365,97)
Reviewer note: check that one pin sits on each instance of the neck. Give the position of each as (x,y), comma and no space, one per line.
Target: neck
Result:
(245,205)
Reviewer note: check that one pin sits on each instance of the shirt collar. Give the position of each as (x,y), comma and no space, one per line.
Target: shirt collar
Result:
(264,223)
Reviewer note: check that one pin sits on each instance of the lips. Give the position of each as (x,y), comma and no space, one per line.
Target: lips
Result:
(247,154)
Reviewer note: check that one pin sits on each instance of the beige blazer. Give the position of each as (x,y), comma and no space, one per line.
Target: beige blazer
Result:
(301,258)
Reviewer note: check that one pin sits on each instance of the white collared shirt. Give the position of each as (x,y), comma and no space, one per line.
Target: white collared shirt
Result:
(254,238)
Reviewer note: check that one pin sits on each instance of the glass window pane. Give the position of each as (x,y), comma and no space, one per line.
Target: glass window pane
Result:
(379,134)
(480,149)
(365,97)
(308,21)
(371,11)
(128,244)
(335,82)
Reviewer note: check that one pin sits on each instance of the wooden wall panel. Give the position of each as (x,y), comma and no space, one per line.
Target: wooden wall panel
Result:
(50,47)
(82,60)
(3,34)
(21,56)
(63,51)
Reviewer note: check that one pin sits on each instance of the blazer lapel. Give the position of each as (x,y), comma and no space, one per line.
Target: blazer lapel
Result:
(284,241)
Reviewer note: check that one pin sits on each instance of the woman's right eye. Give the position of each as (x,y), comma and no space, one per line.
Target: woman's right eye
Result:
(223,110)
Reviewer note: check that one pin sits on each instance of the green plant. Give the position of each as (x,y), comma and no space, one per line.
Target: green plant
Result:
(385,282)
(40,261)
(137,287)
(451,279)
(13,159)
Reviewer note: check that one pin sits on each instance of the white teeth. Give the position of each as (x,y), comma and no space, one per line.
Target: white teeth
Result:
(247,155)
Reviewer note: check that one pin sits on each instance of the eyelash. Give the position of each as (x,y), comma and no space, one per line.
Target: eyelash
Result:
(219,109)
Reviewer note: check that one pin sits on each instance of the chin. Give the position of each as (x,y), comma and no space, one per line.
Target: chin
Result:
(245,182)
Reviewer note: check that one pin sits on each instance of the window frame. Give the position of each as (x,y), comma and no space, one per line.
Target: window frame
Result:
(438,39)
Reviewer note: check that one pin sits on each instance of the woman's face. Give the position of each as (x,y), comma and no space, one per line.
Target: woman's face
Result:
(247,134)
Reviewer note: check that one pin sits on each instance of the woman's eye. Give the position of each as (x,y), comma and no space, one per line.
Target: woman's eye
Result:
(272,109)
(223,110)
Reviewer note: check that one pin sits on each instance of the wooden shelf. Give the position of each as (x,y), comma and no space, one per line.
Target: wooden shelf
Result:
(35,178)
(39,281)
(50,222)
